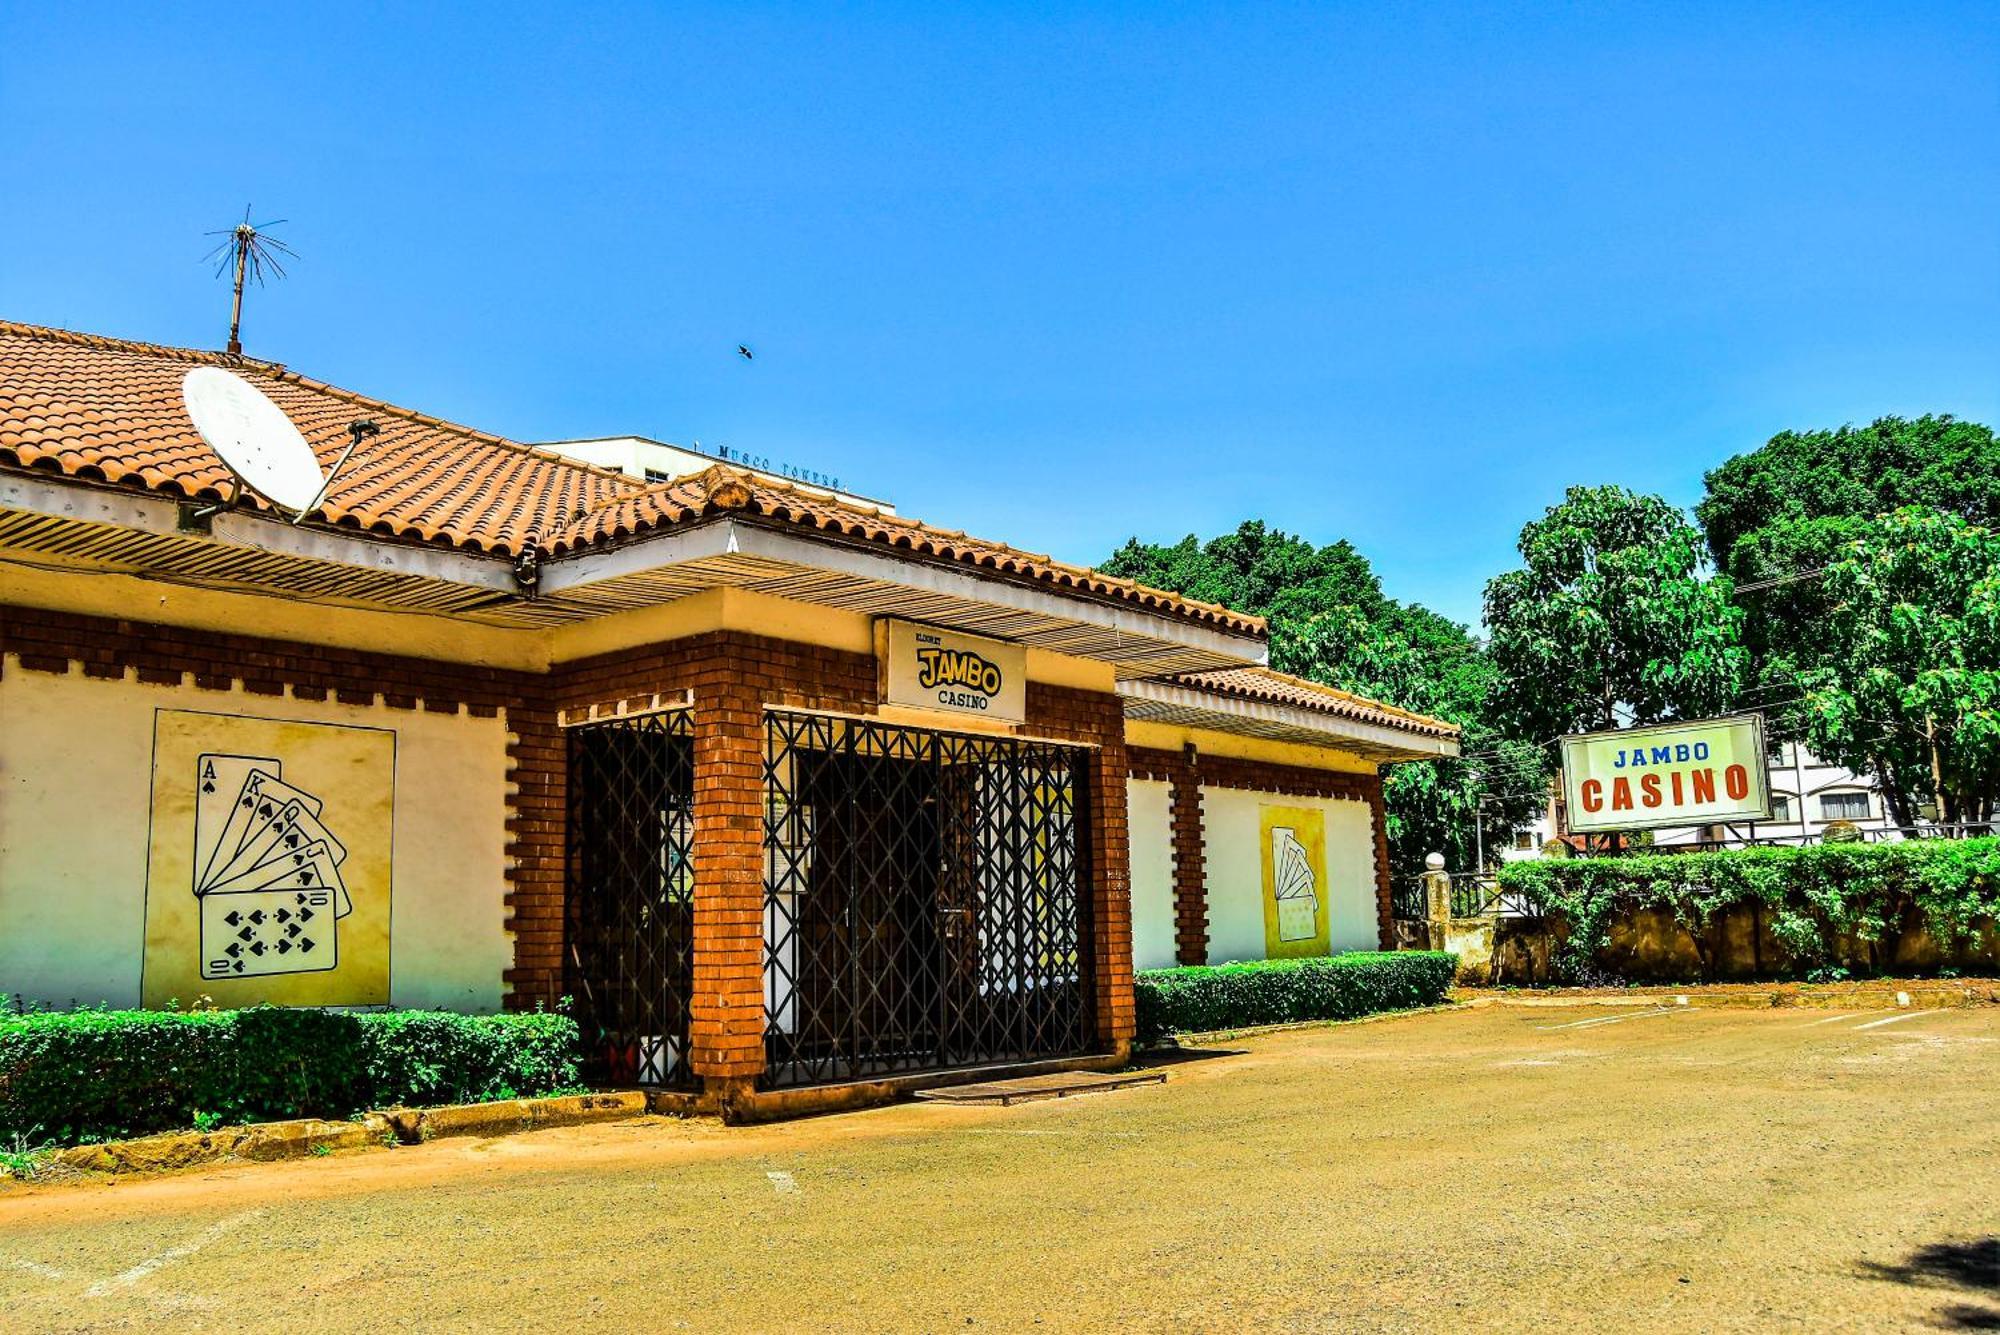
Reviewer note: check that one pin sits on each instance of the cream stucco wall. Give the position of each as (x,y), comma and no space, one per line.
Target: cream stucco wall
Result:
(1149,809)
(1235,880)
(76,793)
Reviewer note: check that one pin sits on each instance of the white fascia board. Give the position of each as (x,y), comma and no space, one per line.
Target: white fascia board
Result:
(1409,745)
(721,537)
(93,504)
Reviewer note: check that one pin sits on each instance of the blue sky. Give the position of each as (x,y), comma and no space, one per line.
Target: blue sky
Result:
(1053,275)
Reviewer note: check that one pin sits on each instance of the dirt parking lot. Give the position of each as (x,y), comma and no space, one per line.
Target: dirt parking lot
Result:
(1683,1169)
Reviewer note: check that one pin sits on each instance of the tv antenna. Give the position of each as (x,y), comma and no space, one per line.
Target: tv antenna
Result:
(259,444)
(248,251)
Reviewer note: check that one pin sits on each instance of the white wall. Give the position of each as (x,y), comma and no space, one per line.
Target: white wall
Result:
(1149,809)
(76,801)
(1232,832)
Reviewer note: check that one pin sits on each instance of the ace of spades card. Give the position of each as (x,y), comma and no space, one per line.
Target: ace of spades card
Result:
(267,871)
(268,875)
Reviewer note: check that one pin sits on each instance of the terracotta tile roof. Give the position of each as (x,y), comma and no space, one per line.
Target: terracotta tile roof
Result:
(110,410)
(1278,688)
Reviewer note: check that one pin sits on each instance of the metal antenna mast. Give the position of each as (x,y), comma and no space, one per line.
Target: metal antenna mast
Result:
(247,250)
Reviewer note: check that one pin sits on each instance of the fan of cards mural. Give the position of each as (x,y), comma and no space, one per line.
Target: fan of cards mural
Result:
(1296,889)
(266,870)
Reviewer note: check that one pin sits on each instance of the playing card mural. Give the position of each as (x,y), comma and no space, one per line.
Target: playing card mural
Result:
(1296,920)
(269,879)
(269,871)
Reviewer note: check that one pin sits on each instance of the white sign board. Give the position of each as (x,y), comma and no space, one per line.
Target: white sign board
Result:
(1699,773)
(928,668)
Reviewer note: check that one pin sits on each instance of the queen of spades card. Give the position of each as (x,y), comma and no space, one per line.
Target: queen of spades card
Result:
(268,873)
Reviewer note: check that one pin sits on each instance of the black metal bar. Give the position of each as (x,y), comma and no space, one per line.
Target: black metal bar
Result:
(629,910)
(925,899)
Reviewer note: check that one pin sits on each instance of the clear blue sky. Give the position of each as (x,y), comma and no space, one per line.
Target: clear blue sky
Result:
(1061,275)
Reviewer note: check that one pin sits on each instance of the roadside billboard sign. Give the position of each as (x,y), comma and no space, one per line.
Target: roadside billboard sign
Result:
(1698,773)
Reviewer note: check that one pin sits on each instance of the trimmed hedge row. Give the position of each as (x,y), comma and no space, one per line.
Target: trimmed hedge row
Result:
(1337,987)
(73,1076)
(1817,899)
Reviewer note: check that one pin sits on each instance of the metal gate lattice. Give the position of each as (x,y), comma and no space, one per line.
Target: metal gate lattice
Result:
(629,963)
(925,899)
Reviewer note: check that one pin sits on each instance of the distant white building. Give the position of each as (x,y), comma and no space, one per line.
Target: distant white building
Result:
(661,461)
(1807,795)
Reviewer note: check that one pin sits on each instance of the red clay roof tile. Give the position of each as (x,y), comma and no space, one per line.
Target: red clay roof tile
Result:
(110,410)
(1263,684)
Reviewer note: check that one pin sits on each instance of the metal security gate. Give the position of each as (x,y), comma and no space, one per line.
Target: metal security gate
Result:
(925,898)
(629,962)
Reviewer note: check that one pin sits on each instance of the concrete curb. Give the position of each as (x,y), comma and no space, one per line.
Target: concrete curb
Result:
(374,1130)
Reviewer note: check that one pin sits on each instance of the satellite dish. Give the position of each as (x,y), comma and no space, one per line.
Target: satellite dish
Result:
(254,437)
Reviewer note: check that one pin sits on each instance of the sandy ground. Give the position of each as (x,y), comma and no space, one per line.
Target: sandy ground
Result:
(1685,1170)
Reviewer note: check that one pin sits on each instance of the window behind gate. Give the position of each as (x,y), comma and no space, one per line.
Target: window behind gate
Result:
(629,962)
(925,899)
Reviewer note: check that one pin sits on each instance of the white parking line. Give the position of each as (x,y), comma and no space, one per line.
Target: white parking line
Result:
(1831,1019)
(1612,1019)
(782,1182)
(127,1278)
(34,1267)
(1893,1019)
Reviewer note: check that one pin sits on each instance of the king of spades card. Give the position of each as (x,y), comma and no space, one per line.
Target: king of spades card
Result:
(268,875)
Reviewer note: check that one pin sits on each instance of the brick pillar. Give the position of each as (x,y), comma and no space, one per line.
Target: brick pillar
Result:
(1111,886)
(1385,915)
(726,1017)
(537,856)
(1190,861)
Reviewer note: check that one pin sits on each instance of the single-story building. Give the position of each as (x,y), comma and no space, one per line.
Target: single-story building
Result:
(780,788)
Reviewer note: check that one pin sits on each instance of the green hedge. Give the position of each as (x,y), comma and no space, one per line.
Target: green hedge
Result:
(1815,898)
(72,1076)
(1337,987)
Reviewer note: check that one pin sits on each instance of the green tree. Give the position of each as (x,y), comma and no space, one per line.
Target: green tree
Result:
(1777,517)
(1330,622)
(1611,620)
(1910,688)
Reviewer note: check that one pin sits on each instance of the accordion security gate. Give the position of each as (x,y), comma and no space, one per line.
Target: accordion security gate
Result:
(629,961)
(924,899)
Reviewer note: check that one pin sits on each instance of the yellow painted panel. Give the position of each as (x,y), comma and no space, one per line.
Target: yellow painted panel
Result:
(268,864)
(1292,845)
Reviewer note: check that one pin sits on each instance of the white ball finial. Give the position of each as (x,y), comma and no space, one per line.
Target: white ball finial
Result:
(1434,861)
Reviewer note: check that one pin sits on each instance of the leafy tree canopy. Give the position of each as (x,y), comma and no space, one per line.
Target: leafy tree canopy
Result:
(1909,687)
(1806,501)
(1611,620)
(1331,622)
(1799,477)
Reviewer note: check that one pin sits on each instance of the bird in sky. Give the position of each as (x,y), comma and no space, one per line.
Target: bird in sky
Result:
(744,352)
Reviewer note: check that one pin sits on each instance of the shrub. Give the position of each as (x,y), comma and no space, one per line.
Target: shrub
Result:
(72,1076)
(1815,898)
(1337,987)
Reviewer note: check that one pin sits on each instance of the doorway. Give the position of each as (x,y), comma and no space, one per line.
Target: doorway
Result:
(925,898)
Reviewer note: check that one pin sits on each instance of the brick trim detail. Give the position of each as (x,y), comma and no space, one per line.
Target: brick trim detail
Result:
(731,678)
(1180,771)
(110,648)
(1263,777)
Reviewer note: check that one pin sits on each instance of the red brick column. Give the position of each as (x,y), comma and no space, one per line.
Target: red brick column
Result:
(1385,915)
(726,1017)
(1190,861)
(1098,720)
(537,773)
(1111,897)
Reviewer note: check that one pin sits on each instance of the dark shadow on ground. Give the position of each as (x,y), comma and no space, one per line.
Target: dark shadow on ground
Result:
(1175,1056)
(1973,1266)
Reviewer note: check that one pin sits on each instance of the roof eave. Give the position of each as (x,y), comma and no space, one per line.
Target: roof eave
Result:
(1166,702)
